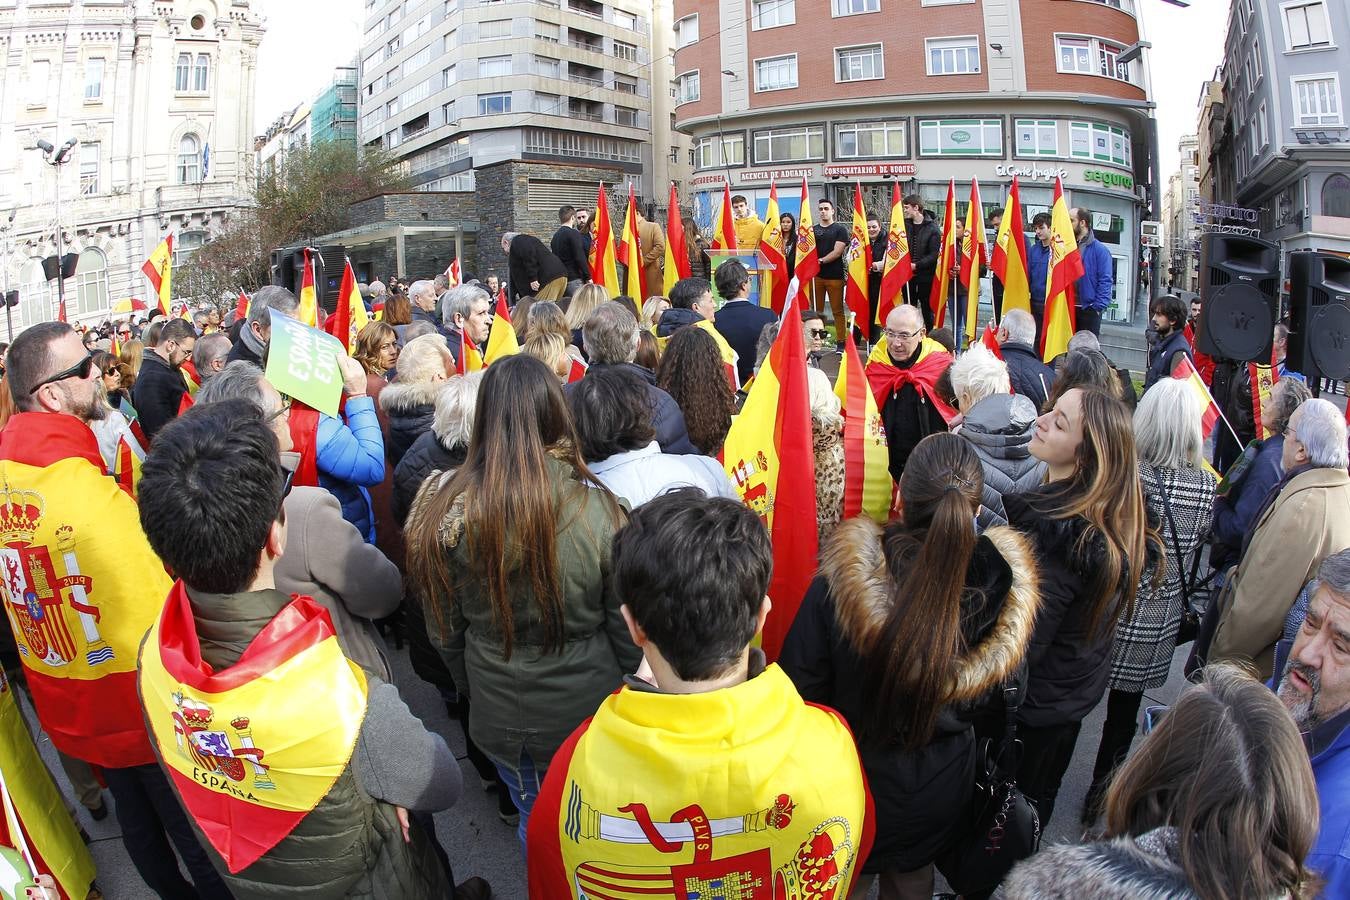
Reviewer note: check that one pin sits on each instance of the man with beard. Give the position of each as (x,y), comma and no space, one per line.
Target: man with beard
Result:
(1315,686)
(1169,319)
(903,371)
(159,388)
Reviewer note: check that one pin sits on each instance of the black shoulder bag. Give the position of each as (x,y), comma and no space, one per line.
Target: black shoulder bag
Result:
(1191,611)
(1004,827)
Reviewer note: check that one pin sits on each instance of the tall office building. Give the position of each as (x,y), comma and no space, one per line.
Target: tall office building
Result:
(1179,206)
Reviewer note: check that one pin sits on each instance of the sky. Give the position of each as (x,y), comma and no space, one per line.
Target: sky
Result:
(307,39)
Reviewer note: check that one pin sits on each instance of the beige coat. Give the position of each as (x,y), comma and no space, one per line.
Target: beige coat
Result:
(325,558)
(1309,520)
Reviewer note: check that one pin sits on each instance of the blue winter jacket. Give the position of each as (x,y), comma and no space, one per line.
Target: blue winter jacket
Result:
(1234,515)
(1093,290)
(350,458)
(1330,855)
(1038,264)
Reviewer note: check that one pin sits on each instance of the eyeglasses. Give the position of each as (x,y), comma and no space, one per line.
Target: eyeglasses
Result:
(818,332)
(902,335)
(282,410)
(80,370)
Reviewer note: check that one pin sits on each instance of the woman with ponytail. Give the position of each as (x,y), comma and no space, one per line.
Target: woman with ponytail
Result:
(1092,533)
(908,630)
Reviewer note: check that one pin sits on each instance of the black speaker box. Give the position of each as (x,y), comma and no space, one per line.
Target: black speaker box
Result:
(288,270)
(1240,297)
(1319,317)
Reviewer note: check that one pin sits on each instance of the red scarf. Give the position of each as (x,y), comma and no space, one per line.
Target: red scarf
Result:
(304,425)
(887,380)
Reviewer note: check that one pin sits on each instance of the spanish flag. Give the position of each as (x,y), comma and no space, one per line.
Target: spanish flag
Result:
(630,253)
(350,316)
(191,377)
(37,835)
(127,463)
(453,278)
(867,474)
(947,256)
(251,749)
(1262,380)
(79,584)
(724,350)
(724,226)
(807,265)
(1065,268)
(773,281)
(158,271)
(502,337)
(1210,416)
(677,252)
(859,260)
(1010,255)
(470,360)
(241,306)
(769,458)
(604,268)
(309,298)
(899,267)
(974,253)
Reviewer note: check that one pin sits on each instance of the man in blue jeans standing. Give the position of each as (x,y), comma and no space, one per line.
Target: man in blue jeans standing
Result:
(1093,290)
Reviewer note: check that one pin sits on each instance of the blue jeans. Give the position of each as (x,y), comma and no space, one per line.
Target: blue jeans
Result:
(523,783)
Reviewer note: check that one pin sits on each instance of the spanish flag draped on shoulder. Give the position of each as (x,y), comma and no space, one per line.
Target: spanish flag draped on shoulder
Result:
(867,474)
(1009,262)
(603,263)
(886,378)
(769,458)
(246,745)
(677,252)
(158,269)
(942,278)
(899,266)
(502,336)
(80,587)
(1065,268)
(773,281)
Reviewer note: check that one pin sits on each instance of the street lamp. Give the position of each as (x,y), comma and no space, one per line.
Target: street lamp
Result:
(56,159)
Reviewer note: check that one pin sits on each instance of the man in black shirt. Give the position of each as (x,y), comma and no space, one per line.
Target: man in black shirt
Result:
(534,270)
(924,247)
(831,241)
(570,248)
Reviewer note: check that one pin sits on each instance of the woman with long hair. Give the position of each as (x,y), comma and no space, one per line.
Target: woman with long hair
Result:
(691,371)
(1086,369)
(110,424)
(510,557)
(579,309)
(652,308)
(1218,803)
(1090,528)
(129,362)
(908,629)
(787,224)
(550,349)
(377,349)
(1180,497)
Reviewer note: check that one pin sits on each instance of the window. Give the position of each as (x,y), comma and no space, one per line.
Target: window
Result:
(953,56)
(772,13)
(867,140)
(494,28)
(372,118)
(1306,25)
(546,31)
(625,51)
(394,76)
(494,104)
(417,61)
(624,115)
(494,66)
(626,85)
(1336,196)
(93,78)
(89,168)
(776,73)
(859,63)
(182,73)
(574,143)
(1261,122)
(706,155)
(960,137)
(1094,140)
(549,104)
(392,47)
(417,29)
(189,160)
(547,67)
(416,95)
(853,7)
(625,20)
(802,144)
(1036,137)
(1317,100)
(91,281)
(1090,56)
(201,70)
(686,31)
(686,87)
(1075,55)
(448,113)
(1253,137)
(367,64)
(447,76)
(391,108)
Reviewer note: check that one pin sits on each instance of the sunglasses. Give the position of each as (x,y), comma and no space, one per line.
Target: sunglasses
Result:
(818,332)
(80,370)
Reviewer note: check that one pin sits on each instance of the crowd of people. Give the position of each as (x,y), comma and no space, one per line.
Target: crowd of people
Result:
(201,574)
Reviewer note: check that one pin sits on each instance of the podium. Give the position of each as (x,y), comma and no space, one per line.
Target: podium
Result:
(754,261)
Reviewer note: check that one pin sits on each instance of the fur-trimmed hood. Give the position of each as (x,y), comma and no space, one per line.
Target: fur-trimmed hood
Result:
(404,399)
(1144,868)
(855,567)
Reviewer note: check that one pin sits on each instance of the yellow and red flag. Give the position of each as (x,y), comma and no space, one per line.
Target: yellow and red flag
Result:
(37,835)
(899,267)
(158,269)
(858,258)
(470,360)
(807,265)
(250,743)
(940,294)
(974,254)
(990,339)
(677,252)
(453,276)
(1185,371)
(1263,380)
(724,225)
(724,350)
(502,336)
(769,458)
(308,313)
(241,306)
(1009,261)
(630,252)
(867,473)
(191,377)
(350,316)
(604,266)
(78,609)
(116,348)
(773,281)
(127,463)
(1065,268)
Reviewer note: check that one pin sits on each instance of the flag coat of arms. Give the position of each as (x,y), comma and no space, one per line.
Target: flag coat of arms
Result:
(1009,261)
(807,265)
(859,263)
(158,269)
(898,268)
(1064,270)
(350,316)
(630,250)
(773,281)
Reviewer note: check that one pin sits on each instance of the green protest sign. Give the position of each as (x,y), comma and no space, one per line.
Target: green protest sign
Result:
(302,363)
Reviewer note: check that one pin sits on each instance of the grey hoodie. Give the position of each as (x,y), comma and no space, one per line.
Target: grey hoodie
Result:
(999,428)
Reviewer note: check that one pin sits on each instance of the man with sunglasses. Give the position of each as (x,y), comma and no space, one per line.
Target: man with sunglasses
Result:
(159,388)
(80,586)
(903,370)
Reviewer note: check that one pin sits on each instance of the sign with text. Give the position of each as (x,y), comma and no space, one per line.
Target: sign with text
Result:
(853,170)
(302,363)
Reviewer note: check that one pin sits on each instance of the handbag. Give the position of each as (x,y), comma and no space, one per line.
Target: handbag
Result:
(1003,825)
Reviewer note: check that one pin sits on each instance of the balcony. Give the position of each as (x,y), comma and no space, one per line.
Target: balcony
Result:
(588,110)
(586,8)
(585,40)
(583,74)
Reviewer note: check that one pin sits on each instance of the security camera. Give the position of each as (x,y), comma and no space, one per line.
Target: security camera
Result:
(45,146)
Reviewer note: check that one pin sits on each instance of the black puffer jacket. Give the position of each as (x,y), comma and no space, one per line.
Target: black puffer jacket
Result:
(425,456)
(921,795)
(409,409)
(999,429)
